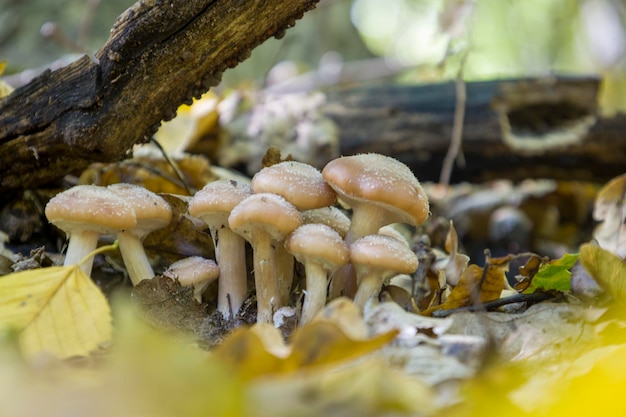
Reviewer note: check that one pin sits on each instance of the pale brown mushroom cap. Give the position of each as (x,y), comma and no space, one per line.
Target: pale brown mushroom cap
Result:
(193,270)
(299,183)
(152,212)
(90,207)
(318,243)
(611,195)
(264,211)
(330,216)
(383,253)
(380,180)
(216,200)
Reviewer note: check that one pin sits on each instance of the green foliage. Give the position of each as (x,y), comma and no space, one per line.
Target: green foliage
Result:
(553,275)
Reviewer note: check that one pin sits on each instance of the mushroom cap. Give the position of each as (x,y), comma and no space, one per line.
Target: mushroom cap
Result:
(299,183)
(214,202)
(381,180)
(264,211)
(612,194)
(90,207)
(383,253)
(318,243)
(330,216)
(193,270)
(152,212)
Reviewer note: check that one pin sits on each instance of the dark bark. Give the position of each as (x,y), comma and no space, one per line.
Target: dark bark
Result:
(159,55)
(515,129)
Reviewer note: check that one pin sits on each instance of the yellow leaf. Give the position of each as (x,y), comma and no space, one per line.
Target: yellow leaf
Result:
(5,89)
(606,268)
(58,310)
(253,354)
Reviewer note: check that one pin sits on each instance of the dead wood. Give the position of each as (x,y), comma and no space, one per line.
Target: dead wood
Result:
(159,55)
(515,129)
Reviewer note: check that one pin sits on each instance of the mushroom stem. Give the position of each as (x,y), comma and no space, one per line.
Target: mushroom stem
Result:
(366,220)
(369,286)
(80,245)
(233,283)
(315,294)
(265,279)
(134,256)
(284,272)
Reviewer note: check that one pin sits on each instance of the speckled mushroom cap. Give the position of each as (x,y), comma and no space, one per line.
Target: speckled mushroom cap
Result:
(152,212)
(193,270)
(269,212)
(299,183)
(317,243)
(90,207)
(383,252)
(330,216)
(217,199)
(609,196)
(379,180)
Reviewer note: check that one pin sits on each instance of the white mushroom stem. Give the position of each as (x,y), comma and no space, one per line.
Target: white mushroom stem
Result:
(315,294)
(81,244)
(233,285)
(369,287)
(284,272)
(134,256)
(265,279)
(367,219)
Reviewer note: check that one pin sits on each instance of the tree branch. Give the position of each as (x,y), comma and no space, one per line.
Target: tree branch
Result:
(159,55)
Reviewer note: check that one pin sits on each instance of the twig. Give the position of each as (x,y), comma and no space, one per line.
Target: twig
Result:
(457,126)
(492,305)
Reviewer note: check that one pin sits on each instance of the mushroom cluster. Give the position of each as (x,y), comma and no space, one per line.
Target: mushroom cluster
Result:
(289,213)
(85,212)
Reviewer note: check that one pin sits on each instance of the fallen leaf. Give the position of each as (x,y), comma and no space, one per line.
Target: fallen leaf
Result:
(314,345)
(606,268)
(553,275)
(468,292)
(57,310)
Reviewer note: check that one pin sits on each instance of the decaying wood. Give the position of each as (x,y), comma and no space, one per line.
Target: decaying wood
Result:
(515,129)
(159,55)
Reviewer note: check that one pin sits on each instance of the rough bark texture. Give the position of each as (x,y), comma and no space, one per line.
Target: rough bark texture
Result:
(160,54)
(515,129)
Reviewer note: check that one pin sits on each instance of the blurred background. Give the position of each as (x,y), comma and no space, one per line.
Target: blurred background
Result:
(409,41)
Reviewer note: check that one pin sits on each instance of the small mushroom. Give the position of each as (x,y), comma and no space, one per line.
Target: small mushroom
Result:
(85,212)
(377,258)
(213,204)
(330,216)
(321,250)
(380,190)
(303,186)
(263,220)
(196,271)
(152,213)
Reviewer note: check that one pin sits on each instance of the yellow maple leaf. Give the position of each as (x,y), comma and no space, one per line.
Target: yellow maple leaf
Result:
(57,310)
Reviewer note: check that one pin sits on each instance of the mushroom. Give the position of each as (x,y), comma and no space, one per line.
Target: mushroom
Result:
(194,270)
(610,209)
(85,212)
(321,250)
(152,213)
(264,219)
(330,216)
(213,204)
(377,258)
(380,190)
(303,186)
